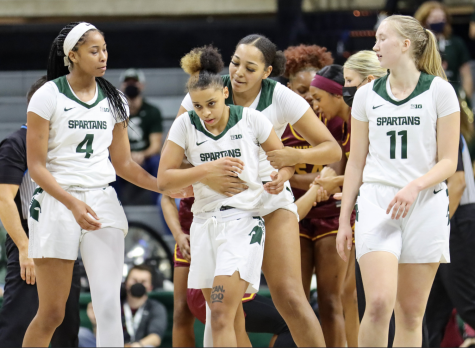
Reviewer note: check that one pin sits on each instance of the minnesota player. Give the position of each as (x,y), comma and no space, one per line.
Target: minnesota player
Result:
(227,234)
(254,60)
(76,120)
(407,126)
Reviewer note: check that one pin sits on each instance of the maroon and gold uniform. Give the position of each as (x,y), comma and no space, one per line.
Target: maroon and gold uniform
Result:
(186,218)
(322,220)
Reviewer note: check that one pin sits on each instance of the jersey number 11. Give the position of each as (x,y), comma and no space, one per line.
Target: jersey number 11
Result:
(392,139)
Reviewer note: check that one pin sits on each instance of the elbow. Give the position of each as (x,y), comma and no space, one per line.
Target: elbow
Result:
(335,152)
(163,184)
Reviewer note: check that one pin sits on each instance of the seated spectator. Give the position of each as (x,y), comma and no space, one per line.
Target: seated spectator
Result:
(145,136)
(144,319)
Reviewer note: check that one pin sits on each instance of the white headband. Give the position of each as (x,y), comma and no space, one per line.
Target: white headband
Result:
(73,37)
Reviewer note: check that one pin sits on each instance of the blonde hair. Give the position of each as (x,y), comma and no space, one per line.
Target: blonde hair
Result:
(365,63)
(423,42)
(426,8)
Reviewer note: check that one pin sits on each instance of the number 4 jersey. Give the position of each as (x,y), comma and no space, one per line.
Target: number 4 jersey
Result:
(79,134)
(402,133)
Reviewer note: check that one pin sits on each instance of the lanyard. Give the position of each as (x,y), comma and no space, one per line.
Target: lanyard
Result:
(132,322)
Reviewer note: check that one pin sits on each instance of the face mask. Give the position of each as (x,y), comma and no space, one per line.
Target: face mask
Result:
(437,28)
(349,93)
(138,290)
(132,91)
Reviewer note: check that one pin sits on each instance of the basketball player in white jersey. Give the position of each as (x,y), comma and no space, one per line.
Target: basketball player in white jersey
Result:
(406,127)
(76,121)
(254,61)
(227,234)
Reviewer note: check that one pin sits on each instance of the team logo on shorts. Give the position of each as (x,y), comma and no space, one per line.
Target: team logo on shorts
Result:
(35,207)
(257,232)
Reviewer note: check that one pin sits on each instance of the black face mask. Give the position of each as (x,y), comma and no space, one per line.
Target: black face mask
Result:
(131,91)
(349,93)
(138,290)
(437,28)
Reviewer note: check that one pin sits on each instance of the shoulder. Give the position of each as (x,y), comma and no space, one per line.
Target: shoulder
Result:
(440,87)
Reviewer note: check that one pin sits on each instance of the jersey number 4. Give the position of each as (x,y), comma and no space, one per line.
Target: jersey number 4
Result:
(392,139)
(87,143)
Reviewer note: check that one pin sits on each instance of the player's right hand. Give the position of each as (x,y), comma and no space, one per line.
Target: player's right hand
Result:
(85,216)
(344,241)
(183,241)
(222,176)
(27,268)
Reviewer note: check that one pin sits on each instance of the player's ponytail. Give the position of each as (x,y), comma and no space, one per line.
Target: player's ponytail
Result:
(203,64)
(424,44)
(272,57)
(56,68)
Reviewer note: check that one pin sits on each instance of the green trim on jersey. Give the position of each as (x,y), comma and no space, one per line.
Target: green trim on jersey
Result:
(63,87)
(423,85)
(235,115)
(267,92)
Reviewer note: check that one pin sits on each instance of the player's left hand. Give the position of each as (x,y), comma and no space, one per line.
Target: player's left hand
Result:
(276,185)
(286,157)
(402,202)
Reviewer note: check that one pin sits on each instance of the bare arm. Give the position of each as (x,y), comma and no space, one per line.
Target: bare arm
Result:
(467,81)
(448,136)
(170,212)
(171,178)
(324,150)
(123,163)
(456,185)
(302,181)
(152,340)
(11,221)
(285,173)
(37,148)
(354,177)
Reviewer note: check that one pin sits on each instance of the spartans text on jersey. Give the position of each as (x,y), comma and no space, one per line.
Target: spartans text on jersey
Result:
(87,124)
(211,156)
(399,121)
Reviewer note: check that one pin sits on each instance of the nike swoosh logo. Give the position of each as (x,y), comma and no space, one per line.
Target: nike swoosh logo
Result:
(198,144)
(69,109)
(375,107)
(436,192)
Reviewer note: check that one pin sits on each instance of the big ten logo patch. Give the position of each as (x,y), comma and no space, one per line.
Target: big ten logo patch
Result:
(236,136)
(416,106)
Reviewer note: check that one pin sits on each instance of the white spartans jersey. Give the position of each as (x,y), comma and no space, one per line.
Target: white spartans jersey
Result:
(79,134)
(245,131)
(402,133)
(278,103)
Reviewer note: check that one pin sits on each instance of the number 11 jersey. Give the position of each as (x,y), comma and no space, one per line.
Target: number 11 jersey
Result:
(402,133)
(79,134)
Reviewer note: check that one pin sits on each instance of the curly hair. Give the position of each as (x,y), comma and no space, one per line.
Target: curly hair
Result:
(305,57)
(208,63)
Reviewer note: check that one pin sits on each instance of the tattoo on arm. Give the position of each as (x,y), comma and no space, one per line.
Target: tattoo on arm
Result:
(217,294)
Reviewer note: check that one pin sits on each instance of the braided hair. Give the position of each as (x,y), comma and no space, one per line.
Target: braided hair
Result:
(56,68)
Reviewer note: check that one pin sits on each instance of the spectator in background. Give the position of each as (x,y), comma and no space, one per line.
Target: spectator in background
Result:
(455,56)
(145,131)
(20,302)
(144,319)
